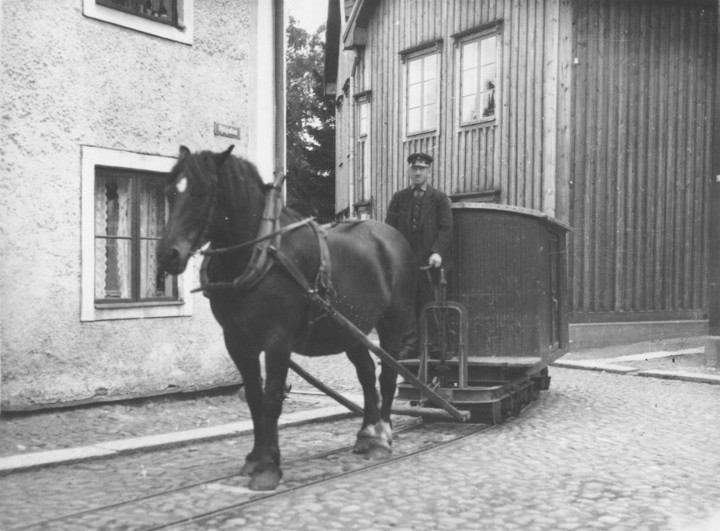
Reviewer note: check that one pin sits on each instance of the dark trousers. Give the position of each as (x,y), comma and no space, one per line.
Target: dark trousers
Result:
(428,280)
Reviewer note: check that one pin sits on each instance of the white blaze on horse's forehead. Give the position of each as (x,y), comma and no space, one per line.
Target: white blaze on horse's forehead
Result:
(181,184)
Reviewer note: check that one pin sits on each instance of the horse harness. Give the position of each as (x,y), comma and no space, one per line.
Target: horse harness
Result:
(267,252)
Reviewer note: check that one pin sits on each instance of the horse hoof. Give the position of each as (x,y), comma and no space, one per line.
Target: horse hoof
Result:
(265,480)
(379,452)
(363,445)
(248,468)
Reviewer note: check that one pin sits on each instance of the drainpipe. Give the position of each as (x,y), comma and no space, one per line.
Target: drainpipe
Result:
(280,82)
(712,347)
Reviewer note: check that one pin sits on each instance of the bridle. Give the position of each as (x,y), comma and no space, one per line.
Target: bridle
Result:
(267,245)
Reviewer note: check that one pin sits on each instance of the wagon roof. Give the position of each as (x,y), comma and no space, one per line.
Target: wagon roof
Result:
(514,210)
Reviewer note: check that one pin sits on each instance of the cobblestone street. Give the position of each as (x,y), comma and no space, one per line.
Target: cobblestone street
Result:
(596,451)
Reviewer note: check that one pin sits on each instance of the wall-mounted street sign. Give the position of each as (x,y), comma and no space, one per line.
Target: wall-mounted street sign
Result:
(227,130)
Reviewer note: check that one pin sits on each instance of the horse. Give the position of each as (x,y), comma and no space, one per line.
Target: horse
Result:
(364,270)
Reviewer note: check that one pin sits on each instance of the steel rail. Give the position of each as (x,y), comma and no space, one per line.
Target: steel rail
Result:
(318,455)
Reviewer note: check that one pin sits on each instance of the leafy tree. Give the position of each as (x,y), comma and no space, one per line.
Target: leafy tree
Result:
(310,127)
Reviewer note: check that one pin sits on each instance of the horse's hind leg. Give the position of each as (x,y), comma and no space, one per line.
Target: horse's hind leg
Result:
(365,368)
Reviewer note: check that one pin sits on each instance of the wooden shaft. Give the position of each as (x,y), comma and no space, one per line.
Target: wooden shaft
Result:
(352,406)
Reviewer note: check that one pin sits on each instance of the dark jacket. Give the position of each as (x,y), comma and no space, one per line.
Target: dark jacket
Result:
(435,232)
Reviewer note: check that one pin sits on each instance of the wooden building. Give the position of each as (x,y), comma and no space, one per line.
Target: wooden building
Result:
(595,112)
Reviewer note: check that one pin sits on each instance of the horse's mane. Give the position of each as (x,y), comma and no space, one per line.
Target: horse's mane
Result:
(202,166)
(236,171)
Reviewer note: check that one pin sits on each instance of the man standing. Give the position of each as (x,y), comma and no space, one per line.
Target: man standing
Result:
(422,214)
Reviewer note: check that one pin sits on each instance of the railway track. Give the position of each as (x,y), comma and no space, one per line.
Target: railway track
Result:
(213,500)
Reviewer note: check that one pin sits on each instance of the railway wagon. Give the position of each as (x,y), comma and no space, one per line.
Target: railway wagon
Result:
(502,317)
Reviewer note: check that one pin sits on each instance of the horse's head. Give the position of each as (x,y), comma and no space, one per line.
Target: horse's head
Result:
(192,194)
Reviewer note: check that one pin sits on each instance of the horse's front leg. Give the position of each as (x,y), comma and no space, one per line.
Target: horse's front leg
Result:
(248,363)
(266,473)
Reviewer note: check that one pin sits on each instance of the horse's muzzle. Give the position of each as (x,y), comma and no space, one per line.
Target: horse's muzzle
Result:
(172,260)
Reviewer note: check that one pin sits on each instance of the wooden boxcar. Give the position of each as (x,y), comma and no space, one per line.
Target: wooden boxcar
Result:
(509,272)
(506,315)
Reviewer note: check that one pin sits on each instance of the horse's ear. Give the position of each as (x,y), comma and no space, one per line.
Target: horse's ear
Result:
(184,152)
(220,158)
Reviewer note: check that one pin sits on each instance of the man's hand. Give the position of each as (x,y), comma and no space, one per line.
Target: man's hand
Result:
(435,260)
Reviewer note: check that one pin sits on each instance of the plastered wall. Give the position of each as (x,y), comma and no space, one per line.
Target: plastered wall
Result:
(70,81)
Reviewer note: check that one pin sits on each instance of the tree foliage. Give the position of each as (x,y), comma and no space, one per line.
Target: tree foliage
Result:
(310,127)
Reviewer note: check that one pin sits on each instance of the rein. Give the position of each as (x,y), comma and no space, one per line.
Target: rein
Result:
(282,230)
(267,249)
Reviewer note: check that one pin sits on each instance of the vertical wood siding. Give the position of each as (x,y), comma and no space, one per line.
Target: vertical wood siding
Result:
(507,155)
(617,145)
(641,116)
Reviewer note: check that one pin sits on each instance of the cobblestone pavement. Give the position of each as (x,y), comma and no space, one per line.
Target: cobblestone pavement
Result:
(68,428)
(596,451)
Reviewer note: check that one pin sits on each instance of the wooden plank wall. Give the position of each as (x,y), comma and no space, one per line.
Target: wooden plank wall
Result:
(624,160)
(507,155)
(642,96)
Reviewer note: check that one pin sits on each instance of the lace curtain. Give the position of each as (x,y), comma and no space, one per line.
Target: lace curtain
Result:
(153,283)
(117,239)
(113,236)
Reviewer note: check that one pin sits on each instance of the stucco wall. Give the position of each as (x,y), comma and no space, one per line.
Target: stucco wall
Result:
(69,81)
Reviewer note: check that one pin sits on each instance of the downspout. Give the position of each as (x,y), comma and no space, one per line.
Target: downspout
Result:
(712,345)
(280,92)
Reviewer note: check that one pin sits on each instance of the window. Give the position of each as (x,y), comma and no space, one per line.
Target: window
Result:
(478,79)
(130,213)
(422,93)
(123,217)
(364,147)
(164,11)
(169,19)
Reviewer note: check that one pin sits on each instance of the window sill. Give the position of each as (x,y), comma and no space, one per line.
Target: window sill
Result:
(489,122)
(182,32)
(421,134)
(147,304)
(139,310)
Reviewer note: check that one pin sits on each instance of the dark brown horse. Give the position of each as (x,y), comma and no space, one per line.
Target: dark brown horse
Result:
(220,198)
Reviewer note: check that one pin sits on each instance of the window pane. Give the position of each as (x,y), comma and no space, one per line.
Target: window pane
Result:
(429,116)
(414,71)
(415,95)
(469,82)
(113,215)
(430,67)
(469,55)
(162,10)
(414,124)
(430,92)
(488,103)
(153,283)
(469,108)
(112,268)
(488,53)
(488,75)
(152,206)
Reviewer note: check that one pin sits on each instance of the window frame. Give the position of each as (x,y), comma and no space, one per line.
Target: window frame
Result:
(478,35)
(92,309)
(407,58)
(181,31)
(363,144)
(135,237)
